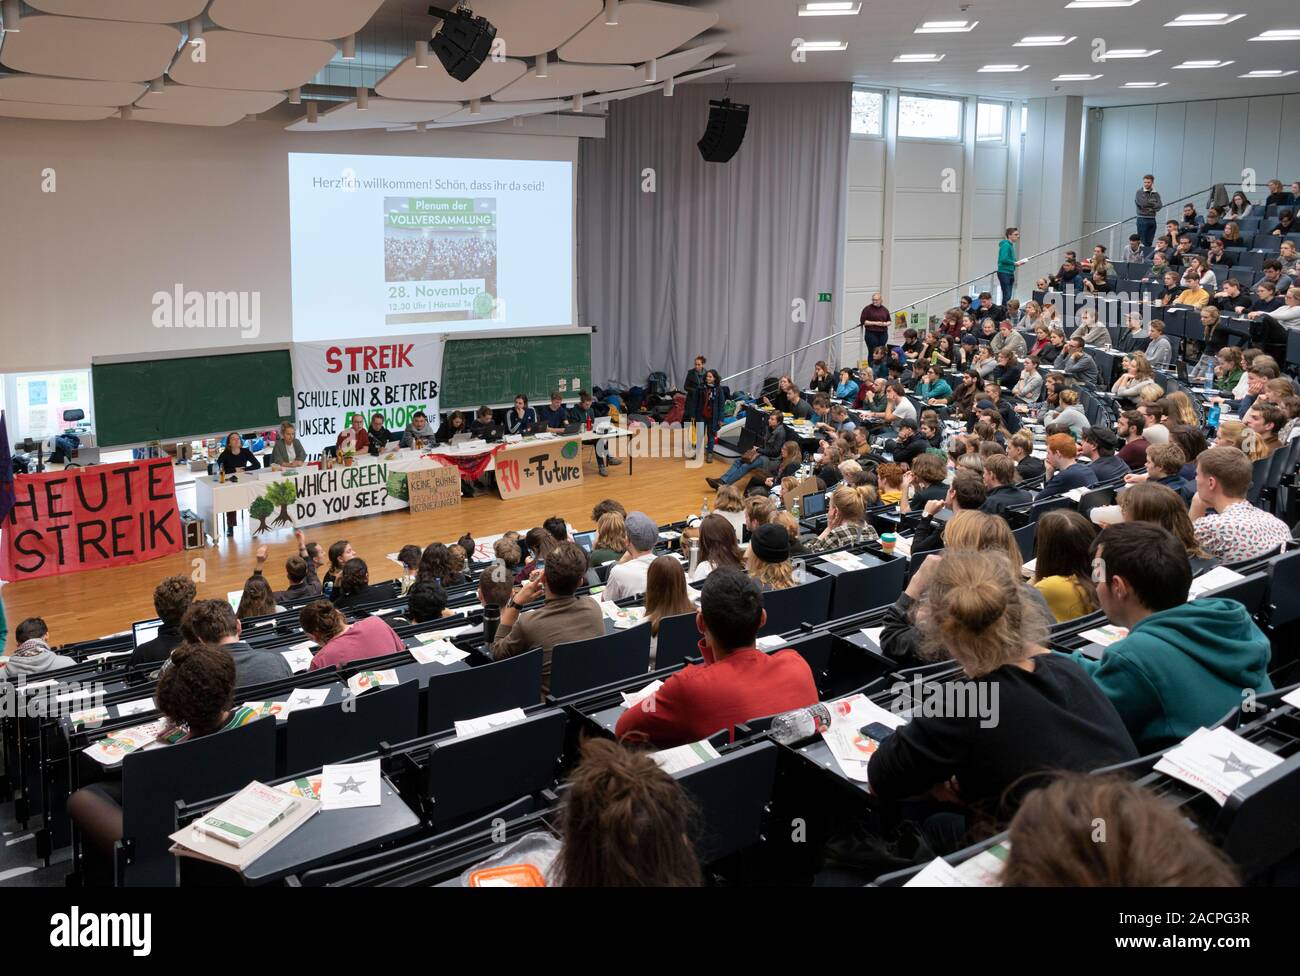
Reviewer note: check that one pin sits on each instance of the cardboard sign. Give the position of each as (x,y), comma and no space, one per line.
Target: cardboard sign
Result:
(541,466)
(433,489)
(89,518)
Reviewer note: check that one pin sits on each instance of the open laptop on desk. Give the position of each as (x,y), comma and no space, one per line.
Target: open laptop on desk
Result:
(573,428)
(143,631)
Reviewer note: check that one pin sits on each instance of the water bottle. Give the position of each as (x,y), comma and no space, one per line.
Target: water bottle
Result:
(1212,418)
(694,552)
(491,621)
(801,723)
(704,510)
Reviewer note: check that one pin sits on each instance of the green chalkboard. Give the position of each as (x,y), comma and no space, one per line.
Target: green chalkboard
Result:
(160,399)
(492,371)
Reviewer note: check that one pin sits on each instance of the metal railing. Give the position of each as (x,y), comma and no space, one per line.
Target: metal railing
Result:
(1054,255)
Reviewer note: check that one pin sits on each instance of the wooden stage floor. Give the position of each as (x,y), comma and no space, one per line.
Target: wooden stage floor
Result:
(81,606)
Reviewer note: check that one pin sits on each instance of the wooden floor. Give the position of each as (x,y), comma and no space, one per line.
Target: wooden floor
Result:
(80,606)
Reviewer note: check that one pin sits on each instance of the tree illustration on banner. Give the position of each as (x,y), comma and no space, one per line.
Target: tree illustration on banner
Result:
(282,493)
(397,487)
(261,509)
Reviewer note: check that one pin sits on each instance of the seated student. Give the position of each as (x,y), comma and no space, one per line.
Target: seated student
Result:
(483,424)
(1001,493)
(736,682)
(426,602)
(1163,506)
(926,480)
(354,438)
(1226,525)
(934,389)
(419,432)
(763,456)
(790,463)
(339,553)
(625,824)
(288,451)
(730,504)
(1063,567)
(234,459)
(628,577)
(355,590)
(908,445)
(966,494)
(1149,843)
(562,618)
(409,557)
(1183,664)
(1020,448)
(509,557)
(303,584)
(453,425)
(556,415)
(1041,713)
(1164,462)
(171,598)
(32,656)
(717,549)
(378,435)
(495,587)
(521,418)
(1077,363)
(214,622)
(1159,352)
(611,539)
(1065,473)
(1098,446)
(889,479)
(768,558)
(195,694)
(257,600)
(665,596)
(846,523)
(1069,413)
(341,642)
(1129,428)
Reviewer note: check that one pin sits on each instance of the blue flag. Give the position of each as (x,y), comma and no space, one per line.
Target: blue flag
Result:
(6,472)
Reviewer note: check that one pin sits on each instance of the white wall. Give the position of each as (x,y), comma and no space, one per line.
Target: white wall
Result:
(140,207)
(1187,146)
(909,236)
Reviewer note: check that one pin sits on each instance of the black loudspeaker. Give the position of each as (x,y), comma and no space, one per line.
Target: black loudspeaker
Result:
(726,131)
(464,41)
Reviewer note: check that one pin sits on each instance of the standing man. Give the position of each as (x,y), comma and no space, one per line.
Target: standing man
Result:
(1007,263)
(693,385)
(1148,204)
(875,324)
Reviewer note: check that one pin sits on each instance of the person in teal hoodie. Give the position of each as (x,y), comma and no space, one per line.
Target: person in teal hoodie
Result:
(1183,665)
(1007,263)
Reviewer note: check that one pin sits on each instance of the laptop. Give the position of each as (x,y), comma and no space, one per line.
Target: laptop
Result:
(461,438)
(143,631)
(573,428)
(585,539)
(813,504)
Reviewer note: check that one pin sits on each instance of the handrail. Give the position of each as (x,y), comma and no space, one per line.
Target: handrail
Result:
(962,284)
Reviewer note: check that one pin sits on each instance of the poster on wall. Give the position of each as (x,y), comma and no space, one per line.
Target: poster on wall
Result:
(90,518)
(390,377)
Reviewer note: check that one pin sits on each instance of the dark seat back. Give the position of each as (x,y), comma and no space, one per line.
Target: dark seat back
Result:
(679,639)
(787,609)
(579,665)
(333,733)
(866,589)
(731,795)
(515,682)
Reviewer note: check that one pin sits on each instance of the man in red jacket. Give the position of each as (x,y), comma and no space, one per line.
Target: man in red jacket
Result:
(736,682)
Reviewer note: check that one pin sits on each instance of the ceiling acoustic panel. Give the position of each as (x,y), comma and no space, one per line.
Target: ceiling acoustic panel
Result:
(252,62)
(433,84)
(217,102)
(321,20)
(139,11)
(381,113)
(563,80)
(100,50)
(529,27)
(66,113)
(680,61)
(644,30)
(68,91)
(496,111)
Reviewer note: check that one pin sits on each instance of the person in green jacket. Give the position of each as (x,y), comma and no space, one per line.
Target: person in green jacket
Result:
(1183,665)
(1007,263)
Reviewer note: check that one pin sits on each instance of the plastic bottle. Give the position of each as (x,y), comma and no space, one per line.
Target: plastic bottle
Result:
(1212,418)
(800,724)
(704,509)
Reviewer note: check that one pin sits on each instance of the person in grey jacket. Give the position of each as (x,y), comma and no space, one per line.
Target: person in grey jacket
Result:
(1030,387)
(1008,338)
(1092,332)
(1069,414)
(1158,351)
(32,659)
(214,622)
(419,432)
(288,451)
(1077,363)
(1135,378)
(1148,204)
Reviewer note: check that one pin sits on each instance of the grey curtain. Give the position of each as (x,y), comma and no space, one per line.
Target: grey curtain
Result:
(711,262)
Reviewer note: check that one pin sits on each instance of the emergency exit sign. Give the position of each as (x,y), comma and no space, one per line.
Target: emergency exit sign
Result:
(823,296)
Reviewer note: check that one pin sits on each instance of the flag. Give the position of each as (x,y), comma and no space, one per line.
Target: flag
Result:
(6,472)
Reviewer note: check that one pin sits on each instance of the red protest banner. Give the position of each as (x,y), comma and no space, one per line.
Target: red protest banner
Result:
(89,518)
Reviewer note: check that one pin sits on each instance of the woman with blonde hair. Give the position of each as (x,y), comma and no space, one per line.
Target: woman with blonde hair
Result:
(1161,505)
(1232,433)
(730,504)
(768,558)
(665,596)
(1049,714)
(611,539)
(1183,412)
(1137,376)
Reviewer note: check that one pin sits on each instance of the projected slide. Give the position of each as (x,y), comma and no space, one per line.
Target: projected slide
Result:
(397,245)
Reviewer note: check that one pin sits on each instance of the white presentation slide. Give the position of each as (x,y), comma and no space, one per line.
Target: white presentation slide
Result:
(402,245)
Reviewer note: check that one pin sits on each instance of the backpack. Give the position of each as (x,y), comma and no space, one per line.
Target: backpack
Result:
(656,383)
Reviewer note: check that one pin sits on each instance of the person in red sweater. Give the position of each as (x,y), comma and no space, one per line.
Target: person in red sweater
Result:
(341,642)
(736,682)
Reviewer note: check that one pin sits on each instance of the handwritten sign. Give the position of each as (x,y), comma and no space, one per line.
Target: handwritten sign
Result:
(541,466)
(433,489)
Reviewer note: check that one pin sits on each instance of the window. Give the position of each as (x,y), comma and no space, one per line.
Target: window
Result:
(42,398)
(923,117)
(991,122)
(868,113)
(1024,119)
